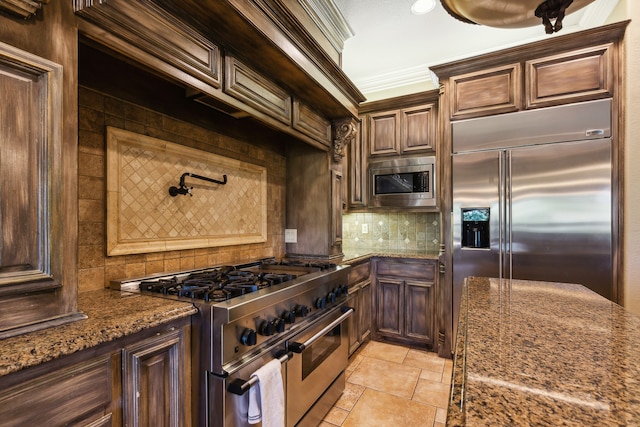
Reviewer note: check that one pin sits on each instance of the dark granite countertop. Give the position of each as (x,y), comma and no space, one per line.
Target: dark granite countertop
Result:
(110,315)
(544,354)
(355,256)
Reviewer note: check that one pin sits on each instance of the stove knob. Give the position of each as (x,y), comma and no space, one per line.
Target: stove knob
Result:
(345,289)
(267,328)
(302,310)
(289,316)
(249,337)
(331,297)
(338,291)
(278,324)
(320,303)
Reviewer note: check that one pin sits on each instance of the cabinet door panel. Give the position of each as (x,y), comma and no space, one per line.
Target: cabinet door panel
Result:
(154,381)
(390,310)
(419,309)
(384,133)
(352,322)
(577,76)
(487,92)
(418,129)
(364,317)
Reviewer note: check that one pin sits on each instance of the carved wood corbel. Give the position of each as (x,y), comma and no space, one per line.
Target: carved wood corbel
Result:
(23,8)
(344,132)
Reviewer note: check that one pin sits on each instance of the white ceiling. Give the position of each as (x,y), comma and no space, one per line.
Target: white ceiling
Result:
(392,47)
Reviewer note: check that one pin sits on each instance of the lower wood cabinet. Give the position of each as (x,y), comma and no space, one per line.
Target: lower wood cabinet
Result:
(404,294)
(360,299)
(80,394)
(140,380)
(154,379)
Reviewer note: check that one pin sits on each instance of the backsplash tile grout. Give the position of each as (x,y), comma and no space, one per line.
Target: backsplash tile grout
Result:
(391,230)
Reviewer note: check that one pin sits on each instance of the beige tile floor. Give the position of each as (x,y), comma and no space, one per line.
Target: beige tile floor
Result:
(392,385)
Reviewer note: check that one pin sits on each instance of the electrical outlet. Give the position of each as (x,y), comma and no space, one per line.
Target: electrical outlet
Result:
(365,228)
(291,235)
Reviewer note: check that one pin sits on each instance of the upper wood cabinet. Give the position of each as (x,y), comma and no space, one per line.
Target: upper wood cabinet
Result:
(572,68)
(37,238)
(570,77)
(485,92)
(312,124)
(257,91)
(402,131)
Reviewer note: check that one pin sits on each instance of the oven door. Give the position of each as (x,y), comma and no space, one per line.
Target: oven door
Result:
(313,375)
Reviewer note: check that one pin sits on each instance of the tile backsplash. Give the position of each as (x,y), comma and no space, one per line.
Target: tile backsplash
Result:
(391,230)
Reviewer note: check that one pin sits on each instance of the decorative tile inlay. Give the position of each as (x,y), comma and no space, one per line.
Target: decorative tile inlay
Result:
(143,217)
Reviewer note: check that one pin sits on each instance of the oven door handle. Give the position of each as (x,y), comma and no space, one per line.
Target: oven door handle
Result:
(297,347)
(240,386)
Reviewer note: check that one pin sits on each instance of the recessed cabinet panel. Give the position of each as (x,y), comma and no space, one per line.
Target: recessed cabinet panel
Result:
(390,307)
(384,133)
(418,129)
(419,309)
(570,77)
(35,230)
(311,123)
(155,385)
(487,92)
(248,86)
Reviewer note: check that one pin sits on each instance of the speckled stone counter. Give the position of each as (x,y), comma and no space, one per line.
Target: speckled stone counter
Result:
(544,354)
(111,315)
(355,256)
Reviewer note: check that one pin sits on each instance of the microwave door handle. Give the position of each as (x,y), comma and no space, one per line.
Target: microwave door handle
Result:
(297,347)
(240,386)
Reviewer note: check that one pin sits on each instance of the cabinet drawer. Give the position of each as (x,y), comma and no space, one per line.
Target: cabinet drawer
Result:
(359,272)
(248,86)
(311,123)
(80,394)
(422,270)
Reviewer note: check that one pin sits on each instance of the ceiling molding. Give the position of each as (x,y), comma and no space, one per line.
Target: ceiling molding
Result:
(330,20)
(404,77)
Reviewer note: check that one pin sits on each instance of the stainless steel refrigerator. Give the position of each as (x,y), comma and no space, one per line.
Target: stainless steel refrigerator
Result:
(532,197)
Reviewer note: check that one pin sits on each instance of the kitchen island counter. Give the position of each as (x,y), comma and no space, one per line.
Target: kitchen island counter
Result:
(540,353)
(110,315)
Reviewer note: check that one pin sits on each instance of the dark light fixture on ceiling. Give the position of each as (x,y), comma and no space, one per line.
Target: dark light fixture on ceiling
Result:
(514,13)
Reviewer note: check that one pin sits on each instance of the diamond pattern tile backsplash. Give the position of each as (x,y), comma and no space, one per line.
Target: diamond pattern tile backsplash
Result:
(392,230)
(143,217)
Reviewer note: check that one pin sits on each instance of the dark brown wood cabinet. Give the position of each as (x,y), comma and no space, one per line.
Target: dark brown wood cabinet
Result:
(156,382)
(401,131)
(402,126)
(360,299)
(38,174)
(404,296)
(80,394)
(139,380)
(574,76)
(493,91)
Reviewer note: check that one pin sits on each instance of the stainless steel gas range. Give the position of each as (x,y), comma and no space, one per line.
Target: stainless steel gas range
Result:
(251,313)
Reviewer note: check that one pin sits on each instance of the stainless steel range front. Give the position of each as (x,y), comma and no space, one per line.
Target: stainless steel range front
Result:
(251,313)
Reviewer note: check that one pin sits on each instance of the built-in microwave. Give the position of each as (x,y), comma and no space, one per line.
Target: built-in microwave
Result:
(403,183)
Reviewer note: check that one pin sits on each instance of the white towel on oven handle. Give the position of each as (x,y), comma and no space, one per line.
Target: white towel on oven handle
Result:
(266,397)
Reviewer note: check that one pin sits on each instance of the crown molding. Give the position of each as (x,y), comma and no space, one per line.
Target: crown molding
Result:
(330,20)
